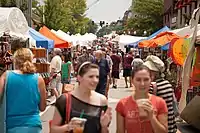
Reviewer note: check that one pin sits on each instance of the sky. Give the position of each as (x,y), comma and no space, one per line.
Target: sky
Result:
(107,10)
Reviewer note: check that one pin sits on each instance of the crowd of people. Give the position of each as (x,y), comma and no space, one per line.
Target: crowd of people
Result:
(148,109)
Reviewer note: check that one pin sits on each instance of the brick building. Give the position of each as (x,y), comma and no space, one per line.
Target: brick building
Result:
(177,13)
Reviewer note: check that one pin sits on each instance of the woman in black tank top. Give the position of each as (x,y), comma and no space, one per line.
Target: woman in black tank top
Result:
(83,99)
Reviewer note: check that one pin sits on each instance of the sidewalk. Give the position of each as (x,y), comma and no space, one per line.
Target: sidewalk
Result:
(114,95)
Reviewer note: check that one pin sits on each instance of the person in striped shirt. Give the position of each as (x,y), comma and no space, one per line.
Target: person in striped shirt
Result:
(162,87)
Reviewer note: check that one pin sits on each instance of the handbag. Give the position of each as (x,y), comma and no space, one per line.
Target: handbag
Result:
(3,108)
(191,114)
(68,88)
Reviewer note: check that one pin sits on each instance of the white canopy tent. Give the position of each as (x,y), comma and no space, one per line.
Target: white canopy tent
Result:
(126,39)
(185,31)
(65,36)
(78,39)
(13,22)
(60,35)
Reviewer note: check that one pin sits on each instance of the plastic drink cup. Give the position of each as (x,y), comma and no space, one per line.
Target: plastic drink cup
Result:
(79,124)
(142,112)
(78,130)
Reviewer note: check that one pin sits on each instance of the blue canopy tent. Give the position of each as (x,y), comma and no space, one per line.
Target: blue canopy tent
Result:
(165,47)
(135,44)
(41,41)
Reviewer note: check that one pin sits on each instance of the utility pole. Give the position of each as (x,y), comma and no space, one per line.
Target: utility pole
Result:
(29,12)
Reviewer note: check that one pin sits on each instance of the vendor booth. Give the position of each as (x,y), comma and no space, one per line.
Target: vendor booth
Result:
(13,34)
(58,43)
(41,41)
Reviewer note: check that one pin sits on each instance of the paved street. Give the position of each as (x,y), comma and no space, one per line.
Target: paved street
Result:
(114,96)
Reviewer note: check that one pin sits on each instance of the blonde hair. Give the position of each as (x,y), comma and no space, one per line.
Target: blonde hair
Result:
(23,60)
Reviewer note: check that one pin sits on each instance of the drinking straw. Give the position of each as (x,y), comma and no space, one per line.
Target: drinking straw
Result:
(82,113)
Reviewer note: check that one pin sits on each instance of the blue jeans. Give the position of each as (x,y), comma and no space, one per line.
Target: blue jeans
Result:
(25,130)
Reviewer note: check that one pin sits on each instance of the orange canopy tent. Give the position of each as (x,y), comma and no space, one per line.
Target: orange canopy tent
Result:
(58,43)
(160,40)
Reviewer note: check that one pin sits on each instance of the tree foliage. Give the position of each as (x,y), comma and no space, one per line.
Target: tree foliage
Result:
(66,15)
(104,31)
(114,26)
(13,3)
(149,16)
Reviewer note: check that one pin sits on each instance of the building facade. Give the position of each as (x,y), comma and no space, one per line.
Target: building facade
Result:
(177,13)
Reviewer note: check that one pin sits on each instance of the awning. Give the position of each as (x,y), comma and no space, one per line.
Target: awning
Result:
(41,41)
(58,43)
(159,41)
(165,28)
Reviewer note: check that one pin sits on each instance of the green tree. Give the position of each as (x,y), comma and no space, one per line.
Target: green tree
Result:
(13,3)
(66,15)
(8,3)
(149,16)
(104,31)
(91,26)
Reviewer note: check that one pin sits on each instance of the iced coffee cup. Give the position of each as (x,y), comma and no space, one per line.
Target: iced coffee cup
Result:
(142,112)
(78,124)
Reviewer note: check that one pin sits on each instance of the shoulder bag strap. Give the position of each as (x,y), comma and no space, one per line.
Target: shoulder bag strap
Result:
(68,106)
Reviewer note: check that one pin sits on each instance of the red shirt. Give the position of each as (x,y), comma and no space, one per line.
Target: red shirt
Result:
(116,61)
(127,61)
(127,107)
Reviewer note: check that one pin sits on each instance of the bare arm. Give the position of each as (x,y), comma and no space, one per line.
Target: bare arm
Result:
(105,117)
(55,126)
(160,125)
(2,82)
(104,130)
(120,124)
(42,89)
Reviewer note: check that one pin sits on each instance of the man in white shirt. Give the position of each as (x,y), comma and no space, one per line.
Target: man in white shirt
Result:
(55,66)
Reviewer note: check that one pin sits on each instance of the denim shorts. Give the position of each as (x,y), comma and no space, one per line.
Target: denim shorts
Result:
(56,83)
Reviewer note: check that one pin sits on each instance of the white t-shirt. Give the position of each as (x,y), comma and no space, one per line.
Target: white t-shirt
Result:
(56,63)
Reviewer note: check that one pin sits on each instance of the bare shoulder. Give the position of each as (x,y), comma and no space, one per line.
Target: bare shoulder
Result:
(40,79)
(3,76)
(103,99)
